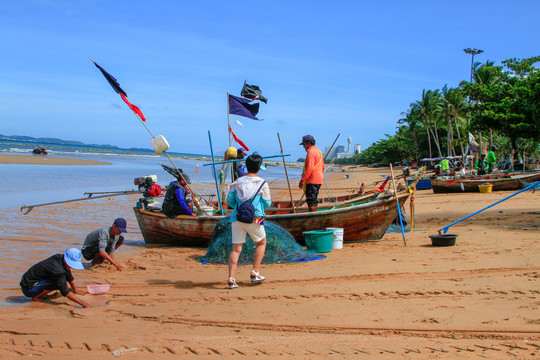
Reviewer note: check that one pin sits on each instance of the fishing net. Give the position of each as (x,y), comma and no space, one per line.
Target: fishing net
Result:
(280,246)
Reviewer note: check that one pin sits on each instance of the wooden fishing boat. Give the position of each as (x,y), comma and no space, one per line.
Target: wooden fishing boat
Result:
(39,151)
(365,218)
(500,182)
(423,184)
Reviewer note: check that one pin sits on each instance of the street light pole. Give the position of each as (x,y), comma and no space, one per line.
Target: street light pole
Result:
(472,52)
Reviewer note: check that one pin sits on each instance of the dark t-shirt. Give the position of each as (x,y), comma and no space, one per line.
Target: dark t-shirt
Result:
(174,203)
(53,269)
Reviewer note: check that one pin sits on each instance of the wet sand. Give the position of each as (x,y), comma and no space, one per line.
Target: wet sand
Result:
(370,300)
(45,160)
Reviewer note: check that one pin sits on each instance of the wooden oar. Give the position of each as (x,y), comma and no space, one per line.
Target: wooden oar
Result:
(31,207)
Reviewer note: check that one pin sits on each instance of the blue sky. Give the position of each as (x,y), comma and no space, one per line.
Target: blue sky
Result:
(326,67)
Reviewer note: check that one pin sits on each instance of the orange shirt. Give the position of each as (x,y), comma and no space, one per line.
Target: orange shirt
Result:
(313,167)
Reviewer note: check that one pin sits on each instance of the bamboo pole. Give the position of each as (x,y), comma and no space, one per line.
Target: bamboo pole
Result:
(324,158)
(215,176)
(195,200)
(398,206)
(31,207)
(412,210)
(286,174)
(228,120)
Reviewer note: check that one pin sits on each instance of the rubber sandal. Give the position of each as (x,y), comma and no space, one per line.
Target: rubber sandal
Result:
(232,283)
(256,277)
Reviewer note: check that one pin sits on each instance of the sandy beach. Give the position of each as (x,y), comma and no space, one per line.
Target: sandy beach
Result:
(45,160)
(370,300)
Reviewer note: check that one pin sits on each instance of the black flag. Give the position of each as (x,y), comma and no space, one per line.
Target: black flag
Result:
(253,92)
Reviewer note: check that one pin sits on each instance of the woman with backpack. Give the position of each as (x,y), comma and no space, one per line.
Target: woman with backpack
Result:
(248,196)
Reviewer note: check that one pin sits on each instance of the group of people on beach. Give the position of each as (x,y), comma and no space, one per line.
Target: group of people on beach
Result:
(482,166)
(486,166)
(54,273)
(249,196)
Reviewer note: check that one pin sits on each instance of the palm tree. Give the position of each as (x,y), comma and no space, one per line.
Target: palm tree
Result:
(411,119)
(453,108)
(484,74)
(429,111)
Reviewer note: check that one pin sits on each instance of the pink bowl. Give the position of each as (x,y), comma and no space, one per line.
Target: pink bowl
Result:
(98,289)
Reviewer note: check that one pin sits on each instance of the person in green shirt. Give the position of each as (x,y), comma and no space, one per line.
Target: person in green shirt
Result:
(481,165)
(445,166)
(491,159)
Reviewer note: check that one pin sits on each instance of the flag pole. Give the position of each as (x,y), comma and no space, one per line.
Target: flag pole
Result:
(228,120)
(113,82)
(286,174)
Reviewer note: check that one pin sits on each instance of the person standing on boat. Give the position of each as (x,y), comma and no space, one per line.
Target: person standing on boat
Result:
(101,243)
(491,159)
(175,202)
(52,274)
(313,174)
(248,188)
(238,170)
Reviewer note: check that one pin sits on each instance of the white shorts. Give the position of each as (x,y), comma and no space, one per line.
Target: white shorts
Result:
(240,229)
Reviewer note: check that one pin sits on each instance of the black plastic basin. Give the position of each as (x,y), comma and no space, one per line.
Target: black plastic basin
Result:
(443,239)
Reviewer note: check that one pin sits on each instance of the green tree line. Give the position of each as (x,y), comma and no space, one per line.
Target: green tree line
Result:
(501,107)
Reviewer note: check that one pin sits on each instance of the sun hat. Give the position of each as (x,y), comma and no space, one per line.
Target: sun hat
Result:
(120,224)
(185,177)
(306,138)
(72,257)
(244,168)
(231,152)
(176,173)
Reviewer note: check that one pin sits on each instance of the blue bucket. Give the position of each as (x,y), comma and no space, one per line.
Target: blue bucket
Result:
(319,240)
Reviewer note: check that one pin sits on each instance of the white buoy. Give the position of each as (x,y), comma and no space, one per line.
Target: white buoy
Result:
(160,144)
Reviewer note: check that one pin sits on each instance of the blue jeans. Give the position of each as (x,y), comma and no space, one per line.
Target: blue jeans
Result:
(38,288)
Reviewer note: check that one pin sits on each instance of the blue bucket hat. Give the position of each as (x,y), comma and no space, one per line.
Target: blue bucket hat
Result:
(72,257)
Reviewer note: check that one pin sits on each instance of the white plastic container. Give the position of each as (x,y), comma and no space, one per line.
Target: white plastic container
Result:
(337,238)
(160,144)
(209,210)
(98,289)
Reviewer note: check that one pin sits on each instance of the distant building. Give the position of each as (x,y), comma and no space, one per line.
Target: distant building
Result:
(338,152)
(344,155)
(333,153)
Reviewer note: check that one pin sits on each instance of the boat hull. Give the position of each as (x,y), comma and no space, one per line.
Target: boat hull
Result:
(363,221)
(500,183)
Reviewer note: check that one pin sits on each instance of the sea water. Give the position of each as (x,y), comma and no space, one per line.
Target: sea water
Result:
(47,230)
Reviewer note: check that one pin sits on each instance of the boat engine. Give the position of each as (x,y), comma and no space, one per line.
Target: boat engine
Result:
(147,185)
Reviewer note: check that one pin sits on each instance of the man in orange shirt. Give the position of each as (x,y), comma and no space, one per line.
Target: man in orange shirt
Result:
(313,174)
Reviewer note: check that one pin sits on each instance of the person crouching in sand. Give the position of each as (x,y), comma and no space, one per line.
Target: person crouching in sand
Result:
(101,243)
(53,274)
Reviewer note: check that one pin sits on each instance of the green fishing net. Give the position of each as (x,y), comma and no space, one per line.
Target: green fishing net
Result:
(280,246)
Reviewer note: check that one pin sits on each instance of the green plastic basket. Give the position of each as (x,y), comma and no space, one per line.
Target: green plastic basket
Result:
(319,240)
